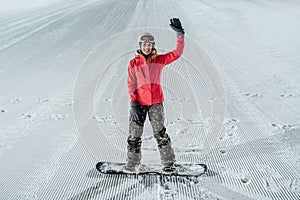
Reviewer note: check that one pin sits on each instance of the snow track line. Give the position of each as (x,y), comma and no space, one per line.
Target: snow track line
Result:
(278,168)
(73,178)
(250,128)
(41,28)
(13,34)
(29,13)
(14,24)
(209,25)
(253,104)
(67,63)
(91,25)
(262,87)
(73,62)
(248,77)
(253,129)
(258,84)
(66,182)
(34,47)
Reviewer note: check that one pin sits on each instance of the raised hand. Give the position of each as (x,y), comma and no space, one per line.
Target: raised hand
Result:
(177,27)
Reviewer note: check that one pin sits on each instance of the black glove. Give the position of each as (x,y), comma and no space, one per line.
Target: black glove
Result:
(134,112)
(176,26)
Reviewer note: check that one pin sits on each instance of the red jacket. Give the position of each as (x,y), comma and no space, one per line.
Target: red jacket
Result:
(144,75)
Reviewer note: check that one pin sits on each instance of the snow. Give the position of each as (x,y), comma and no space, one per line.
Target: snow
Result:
(14,5)
(46,47)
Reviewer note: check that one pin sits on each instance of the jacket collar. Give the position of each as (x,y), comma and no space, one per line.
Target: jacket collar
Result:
(142,58)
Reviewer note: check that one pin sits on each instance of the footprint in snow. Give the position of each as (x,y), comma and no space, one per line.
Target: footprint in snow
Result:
(16,100)
(59,117)
(42,100)
(295,185)
(287,95)
(102,119)
(230,121)
(268,170)
(180,100)
(269,175)
(253,95)
(270,184)
(230,136)
(26,116)
(245,180)
(222,151)
(285,127)
(107,99)
(239,174)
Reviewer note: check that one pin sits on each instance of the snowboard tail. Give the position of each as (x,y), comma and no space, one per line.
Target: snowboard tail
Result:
(182,169)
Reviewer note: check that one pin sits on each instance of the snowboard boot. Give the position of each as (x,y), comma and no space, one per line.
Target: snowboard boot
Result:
(129,170)
(168,167)
(130,167)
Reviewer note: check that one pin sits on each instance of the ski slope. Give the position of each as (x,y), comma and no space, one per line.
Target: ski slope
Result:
(49,151)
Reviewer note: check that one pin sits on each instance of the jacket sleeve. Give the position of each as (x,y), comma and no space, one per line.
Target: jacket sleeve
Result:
(132,83)
(176,53)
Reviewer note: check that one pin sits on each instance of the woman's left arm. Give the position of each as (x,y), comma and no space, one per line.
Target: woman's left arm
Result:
(177,52)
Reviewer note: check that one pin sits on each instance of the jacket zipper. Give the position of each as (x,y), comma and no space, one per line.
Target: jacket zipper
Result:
(143,73)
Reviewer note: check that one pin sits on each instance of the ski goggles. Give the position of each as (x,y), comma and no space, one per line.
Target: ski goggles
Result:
(147,38)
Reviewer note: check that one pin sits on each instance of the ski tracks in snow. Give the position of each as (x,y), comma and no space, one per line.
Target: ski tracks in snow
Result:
(248,159)
(256,154)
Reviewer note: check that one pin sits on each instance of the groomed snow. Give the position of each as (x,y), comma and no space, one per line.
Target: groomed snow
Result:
(15,5)
(254,45)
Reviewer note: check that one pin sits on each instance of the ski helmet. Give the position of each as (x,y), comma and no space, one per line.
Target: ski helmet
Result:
(146,37)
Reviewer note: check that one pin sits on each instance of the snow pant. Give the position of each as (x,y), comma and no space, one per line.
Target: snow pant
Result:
(156,117)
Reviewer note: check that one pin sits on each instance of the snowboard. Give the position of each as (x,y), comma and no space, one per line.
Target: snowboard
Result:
(182,169)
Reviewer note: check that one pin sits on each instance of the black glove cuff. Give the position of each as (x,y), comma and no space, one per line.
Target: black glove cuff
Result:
(134,104)
(180,33)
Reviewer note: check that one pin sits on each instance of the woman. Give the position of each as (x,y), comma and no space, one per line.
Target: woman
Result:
(146,97)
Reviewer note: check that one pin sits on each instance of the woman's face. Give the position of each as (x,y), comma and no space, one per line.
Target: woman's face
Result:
(146,47)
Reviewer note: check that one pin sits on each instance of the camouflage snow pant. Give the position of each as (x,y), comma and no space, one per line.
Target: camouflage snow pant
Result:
(156,117)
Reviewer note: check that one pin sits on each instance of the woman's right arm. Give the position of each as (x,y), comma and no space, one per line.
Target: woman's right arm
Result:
(132,83)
